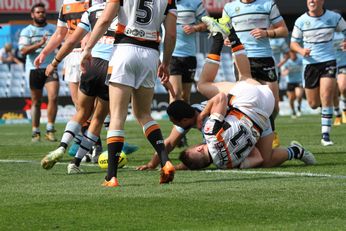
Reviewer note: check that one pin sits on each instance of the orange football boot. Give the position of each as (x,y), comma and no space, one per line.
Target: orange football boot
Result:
(112,183)
(167,173)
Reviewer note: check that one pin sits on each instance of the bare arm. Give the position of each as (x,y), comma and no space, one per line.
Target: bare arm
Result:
(53,43)
(297,48)
(68,46)
(32,48)
(168,46)
(278,30)
(170,143)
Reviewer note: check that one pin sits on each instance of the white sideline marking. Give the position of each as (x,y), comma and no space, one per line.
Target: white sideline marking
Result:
(305,174)
(249,172)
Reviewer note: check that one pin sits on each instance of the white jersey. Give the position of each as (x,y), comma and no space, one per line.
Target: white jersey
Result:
(231,141)
(139,21)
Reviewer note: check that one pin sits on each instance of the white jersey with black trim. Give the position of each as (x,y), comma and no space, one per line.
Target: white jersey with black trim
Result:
(231,141)
(139,21)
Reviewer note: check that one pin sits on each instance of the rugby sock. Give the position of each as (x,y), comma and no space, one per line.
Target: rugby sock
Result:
(343,103)
(236,44)
(106,122)
(115,142)
(326,120)
(337,112)
(72,128)
(153,133)
(88,141)
(35,130)
(214,55)
(295,152)
(50,127)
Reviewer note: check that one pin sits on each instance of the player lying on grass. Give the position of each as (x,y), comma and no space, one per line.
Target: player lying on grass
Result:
(92,89)
(231,134)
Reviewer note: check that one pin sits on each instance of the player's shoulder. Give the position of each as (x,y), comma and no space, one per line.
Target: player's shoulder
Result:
(26,30)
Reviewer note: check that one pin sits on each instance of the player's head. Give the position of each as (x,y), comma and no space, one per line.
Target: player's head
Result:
(315,5)
(181,114)
(196,157)
(38,13)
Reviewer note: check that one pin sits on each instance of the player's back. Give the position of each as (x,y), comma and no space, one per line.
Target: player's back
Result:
(139,21)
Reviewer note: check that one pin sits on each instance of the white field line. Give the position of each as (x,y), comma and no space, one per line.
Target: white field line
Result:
(246,172)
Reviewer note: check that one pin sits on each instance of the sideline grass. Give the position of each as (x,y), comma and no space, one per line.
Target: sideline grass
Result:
(35,199)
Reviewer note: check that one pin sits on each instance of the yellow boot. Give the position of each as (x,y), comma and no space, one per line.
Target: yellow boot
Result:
(276,140)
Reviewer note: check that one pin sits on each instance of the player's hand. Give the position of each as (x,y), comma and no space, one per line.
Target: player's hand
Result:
(85,60)
(49,70)
(258,33)
(43,40)
(39,60)
(199,121)
(305,52)
(343,45)
(145,167)
(189,29)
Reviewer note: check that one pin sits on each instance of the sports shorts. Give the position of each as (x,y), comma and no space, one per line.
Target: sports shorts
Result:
(314,72)
(72,72)
(342,70)
(184,66)
(38,78)
(92,83)
(293,86)
(263,69)
(134,66)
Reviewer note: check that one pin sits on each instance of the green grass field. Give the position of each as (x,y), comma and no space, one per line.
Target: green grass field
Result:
(290,197)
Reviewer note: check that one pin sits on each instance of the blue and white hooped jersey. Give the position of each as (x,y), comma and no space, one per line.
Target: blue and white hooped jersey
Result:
(31,35)
(248,16)
(317,33)
(340,54)
(279,47)
(189,12)
(104,47)
(295,70)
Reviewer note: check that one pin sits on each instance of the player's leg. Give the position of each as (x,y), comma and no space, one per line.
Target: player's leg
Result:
(342,89)
(119,98)
(327,91)
(336,102)
(36,86)
(91,136)
(52,87)
(299,91)
(176,82)
(291,98)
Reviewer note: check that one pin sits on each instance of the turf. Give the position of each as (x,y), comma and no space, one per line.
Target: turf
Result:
(290,197)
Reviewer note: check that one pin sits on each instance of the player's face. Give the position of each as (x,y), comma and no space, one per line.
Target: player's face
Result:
(198,153)
(315,5)
(39,15)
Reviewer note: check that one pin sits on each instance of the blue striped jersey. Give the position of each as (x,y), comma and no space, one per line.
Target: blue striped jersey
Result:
(248,16)
(31,35)
(279,47)
(189,12)
(295,69)
(316,34)
(340,54)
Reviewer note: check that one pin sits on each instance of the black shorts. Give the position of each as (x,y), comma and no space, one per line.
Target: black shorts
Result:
(263,69)
(184,66)
(92,83)
(342,70)
(37,78)
(293,86)
(314,72)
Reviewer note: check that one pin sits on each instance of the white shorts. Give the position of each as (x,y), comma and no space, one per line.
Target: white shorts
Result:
(72,72)
(134,66)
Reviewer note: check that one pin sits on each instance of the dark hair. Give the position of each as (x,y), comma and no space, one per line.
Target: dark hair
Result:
(193,164)
(179,110)
(40,4)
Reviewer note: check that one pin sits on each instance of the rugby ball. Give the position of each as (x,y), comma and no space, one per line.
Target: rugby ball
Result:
(103,160)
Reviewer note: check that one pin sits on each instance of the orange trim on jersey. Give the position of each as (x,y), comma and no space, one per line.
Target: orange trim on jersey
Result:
(151,129)
(115,139)
(111,1)
(221,140)
(238,48)
(75,7)
(214,57)
(239,115)
(121,30)
(109,70)
(231,100)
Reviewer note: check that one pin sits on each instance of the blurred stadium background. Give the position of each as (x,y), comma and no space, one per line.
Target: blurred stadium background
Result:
(14,91)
